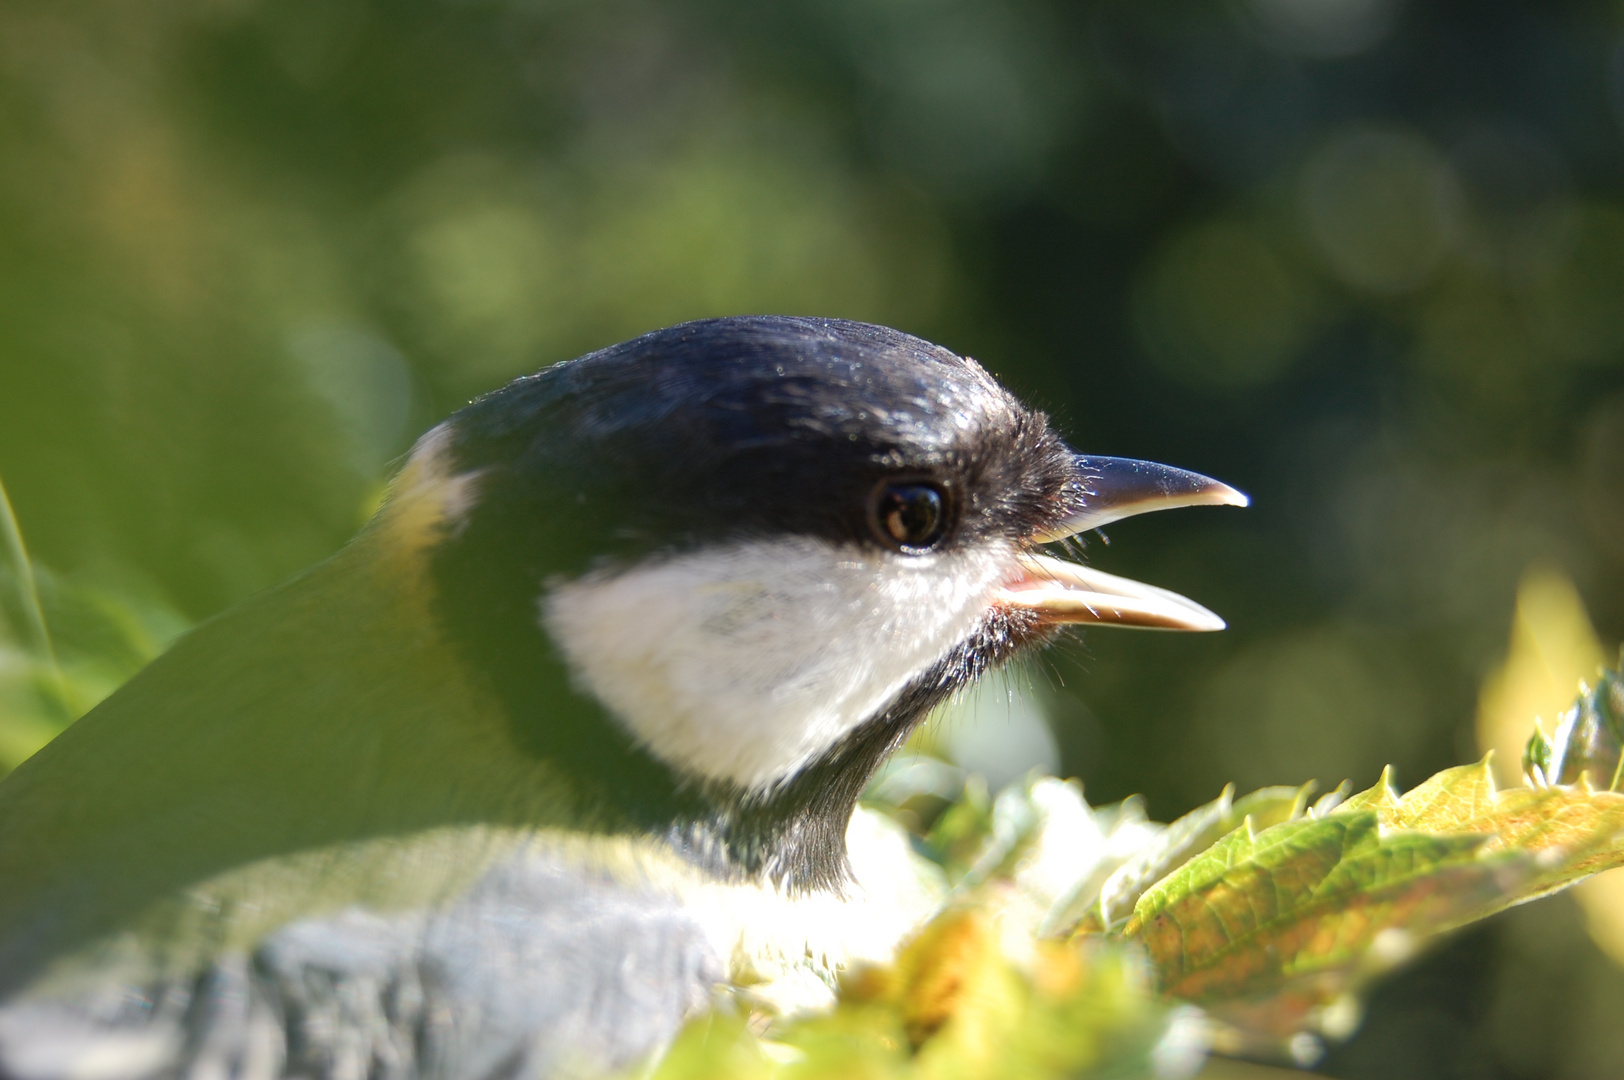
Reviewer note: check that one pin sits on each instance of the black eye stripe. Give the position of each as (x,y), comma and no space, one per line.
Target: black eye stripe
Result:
(912,517)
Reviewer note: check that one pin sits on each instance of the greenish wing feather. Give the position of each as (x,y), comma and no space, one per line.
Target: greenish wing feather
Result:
(288,747)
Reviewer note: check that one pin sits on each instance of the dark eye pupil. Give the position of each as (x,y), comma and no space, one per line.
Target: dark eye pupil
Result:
(912,514)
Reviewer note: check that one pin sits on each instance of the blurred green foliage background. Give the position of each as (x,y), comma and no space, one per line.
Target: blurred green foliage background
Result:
(1362,258)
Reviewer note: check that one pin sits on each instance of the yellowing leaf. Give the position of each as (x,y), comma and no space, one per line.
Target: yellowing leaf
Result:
(1305,898)
(1577,831)
(1461,799)
(1381,798)
(1270,928)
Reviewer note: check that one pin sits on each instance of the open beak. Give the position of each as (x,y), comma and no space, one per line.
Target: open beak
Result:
(1061,592)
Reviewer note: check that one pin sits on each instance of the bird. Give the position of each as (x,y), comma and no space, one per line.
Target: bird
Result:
(564,748)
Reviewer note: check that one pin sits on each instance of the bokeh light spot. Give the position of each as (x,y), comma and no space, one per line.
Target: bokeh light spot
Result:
(1576,296)
(510,272)
(1382,205)
(1471,336)
(1323,27)
(1222,306)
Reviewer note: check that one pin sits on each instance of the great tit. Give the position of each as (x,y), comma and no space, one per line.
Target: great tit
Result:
(567,742)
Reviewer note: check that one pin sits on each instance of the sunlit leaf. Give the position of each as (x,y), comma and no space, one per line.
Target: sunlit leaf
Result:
(1576,831)
(1271,927)
(1190,834)
(1260,909)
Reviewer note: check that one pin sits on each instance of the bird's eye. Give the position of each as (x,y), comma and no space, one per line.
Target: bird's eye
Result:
(912,517)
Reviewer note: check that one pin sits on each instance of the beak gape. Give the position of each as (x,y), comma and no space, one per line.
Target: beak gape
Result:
(1061,592)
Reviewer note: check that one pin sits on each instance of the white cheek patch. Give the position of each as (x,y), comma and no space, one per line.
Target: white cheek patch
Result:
(745,662)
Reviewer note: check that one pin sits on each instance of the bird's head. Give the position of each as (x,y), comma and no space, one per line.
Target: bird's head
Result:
(721,570)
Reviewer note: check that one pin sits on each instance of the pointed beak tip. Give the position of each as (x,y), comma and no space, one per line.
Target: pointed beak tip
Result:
(1228,496)
(1197,619)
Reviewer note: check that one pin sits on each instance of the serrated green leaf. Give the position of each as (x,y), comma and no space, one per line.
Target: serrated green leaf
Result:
(1455,800)
(1193,833)
(1381,798)
(1575,831)
(1271,926)
(1262,908)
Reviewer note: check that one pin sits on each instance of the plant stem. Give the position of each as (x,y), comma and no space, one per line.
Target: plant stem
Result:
(28,587)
